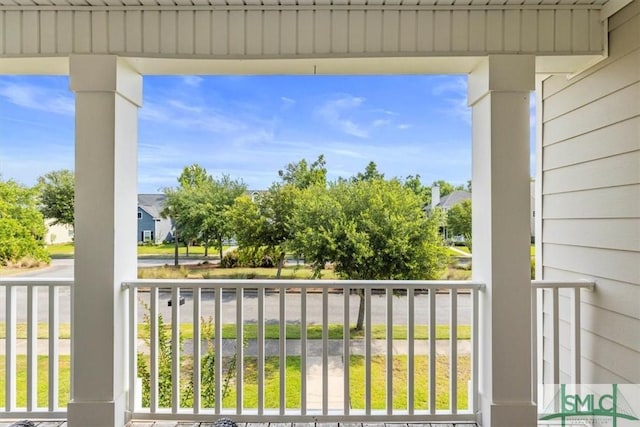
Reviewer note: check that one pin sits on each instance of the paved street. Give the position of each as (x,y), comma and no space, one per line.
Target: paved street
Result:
(64,268)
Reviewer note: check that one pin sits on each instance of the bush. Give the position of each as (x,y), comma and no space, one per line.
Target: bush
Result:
(230,260)
(164,364)
(257,257)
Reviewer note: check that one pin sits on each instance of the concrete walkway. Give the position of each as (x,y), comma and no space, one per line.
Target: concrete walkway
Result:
(272,347)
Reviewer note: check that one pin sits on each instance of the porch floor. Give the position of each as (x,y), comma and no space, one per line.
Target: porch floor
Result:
(190,424)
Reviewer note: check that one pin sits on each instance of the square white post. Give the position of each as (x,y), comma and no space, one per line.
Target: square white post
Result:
(499,96)
(108,95)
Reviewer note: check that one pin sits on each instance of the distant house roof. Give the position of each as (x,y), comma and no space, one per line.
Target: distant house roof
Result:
(454,198)
(152,203)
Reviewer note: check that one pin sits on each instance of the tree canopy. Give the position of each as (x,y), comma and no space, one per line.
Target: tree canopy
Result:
(199,203)
(57,195)
(459,220)
(22,226)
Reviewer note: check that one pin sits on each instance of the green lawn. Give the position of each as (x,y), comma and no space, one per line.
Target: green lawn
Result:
(357,376)
(66,250)
(43,380)
(271,331)
(272,373)
(61,250)
(315,331)
(204,271)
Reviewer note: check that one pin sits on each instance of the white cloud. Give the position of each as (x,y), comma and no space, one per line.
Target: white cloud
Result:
(179,114)
(287,102)
(453,93)
(184,107)
(193,81)
(381,122)
(335,113)
(38,98)
(404,126)
(348,153)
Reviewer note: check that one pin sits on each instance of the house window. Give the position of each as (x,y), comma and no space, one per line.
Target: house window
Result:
(147,235)
(139,215)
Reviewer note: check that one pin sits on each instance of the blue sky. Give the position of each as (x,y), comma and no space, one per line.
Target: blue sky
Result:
(251,126)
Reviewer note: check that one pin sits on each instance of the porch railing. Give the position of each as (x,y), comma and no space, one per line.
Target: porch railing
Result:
(248,318)
(393,370)
(31,348)
(551,319)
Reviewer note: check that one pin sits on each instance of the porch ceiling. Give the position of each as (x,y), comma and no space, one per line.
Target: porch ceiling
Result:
(426,3)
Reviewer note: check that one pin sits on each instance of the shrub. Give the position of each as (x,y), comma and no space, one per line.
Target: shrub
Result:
(257,257)
(230,260)
(165,380)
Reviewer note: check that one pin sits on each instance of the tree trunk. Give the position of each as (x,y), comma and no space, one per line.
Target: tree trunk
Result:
(206,248)
(186,244)
(175,247)
(280,264)
(220,248)
(360,323)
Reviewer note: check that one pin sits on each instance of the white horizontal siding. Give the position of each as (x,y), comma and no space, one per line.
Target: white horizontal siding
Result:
(618,170)
(591,200)
(610,109)
(597,374)
(612,356)
(618,234)
(599,144)
(616,202)
(612,325)
(610,295)
(256,32)
(621,266)
(618,75)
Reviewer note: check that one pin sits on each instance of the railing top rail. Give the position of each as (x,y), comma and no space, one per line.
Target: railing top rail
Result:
(35,281)
(559,284)
(292,283)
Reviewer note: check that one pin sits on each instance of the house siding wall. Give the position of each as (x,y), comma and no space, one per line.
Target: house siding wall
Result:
(261,32)
(591,202)
(145,223)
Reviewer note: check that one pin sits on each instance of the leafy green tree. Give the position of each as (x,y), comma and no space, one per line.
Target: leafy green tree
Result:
(214,198)
(22,226)
(459,220)
(370,173)
(57,195)
(302,175)
(371,229)
(181,205)
(265,220)
(414,183)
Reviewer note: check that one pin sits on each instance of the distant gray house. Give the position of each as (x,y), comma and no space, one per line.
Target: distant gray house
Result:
(447,202)
(151,226)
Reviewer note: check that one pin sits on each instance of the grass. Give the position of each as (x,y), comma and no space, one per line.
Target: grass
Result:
(293,331)
(293,382)
(400,378)
(61,250)
(357,378)
(67,249)
(206,271)
(64,330)
(43,380)
(314,332)
(453,252)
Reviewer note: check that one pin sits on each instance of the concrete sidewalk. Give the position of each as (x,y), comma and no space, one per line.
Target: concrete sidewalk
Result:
(272,347)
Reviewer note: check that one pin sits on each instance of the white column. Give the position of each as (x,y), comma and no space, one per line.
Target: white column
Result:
(108,95)
(499,96)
